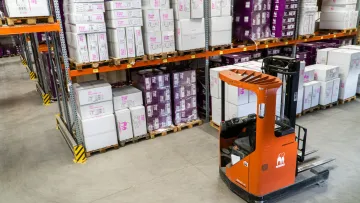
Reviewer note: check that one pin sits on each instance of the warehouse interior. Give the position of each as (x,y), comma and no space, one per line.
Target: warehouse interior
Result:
(181,167)
(179,101)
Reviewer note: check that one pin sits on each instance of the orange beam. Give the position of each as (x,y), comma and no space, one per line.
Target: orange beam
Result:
(103,69)
(22,29)
(43,48)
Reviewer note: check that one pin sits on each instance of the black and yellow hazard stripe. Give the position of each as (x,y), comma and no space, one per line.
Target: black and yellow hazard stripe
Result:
(79,154)
(46,99)
(32,75)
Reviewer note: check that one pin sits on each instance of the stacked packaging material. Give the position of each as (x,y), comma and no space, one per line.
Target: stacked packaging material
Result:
(349,68)
(189,24)
(328,76)
(184,96)
(158,27)
(231,59)
(129,113)
(220,22)
(311,89)
(25,8)
(307,16)
(96,114)
(354,47)
(308,51)
(156,89)
(283,18)
(85,30)
(340,14)
(251,19)
(123,22)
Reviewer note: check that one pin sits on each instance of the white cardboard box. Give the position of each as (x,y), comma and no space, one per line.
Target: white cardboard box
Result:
(129,22)
(325,72)
(234,111)
(123,4)
(155,4)
(126,97)
(302,73)
(153,42)
(130,41)
(315,93)
(197,9)
(215,82)
(307,95)
(86,28)
(124,124)
(309,74)
(117,42)
(27,8)
(101,140)
(167,20)
(190,34)
(93,7)
(95,126)
(151,20)
(92,92)
(138,118)
(216,110)
(326,92)
(337,8)
(215,8)
(79,55)
(76,40)
(96,109)
(181,9)
(322,55)
(103,46)
(225,7)
(235,95)
(220,30)
(338,2)
(139,42)
(252,96)
(348,86)
(335,91)
(124,14)
(76,18)
(93,47)
(168,41)
(347,60)
(299,104)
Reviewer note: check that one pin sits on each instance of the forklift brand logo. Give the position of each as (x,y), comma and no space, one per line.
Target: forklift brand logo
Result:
(280,160)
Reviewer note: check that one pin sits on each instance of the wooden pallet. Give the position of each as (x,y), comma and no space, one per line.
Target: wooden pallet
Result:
(220,47)
(28,20)
(298,115)
(80,66)
(163,132)
(347,100)
(310,110)
(242,43)
(132,60)
(164,55)
(331,31)
(190,124)
(134,140)
(306,36)
(323,107)
(214,125)
(191,51)
(285,39)
(102,150)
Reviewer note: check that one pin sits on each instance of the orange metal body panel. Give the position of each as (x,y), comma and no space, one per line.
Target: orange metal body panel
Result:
(272,165)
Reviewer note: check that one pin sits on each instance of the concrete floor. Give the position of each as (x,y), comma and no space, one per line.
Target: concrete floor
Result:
(36,164)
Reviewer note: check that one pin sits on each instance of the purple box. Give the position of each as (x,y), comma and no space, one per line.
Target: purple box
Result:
(252,33)
(186,116)
(161,109)
(301,56)
(230,59)
(183,78)
(159,122)
(248,6)
(184,91)
(151,80)
(157,96)
(256,55)
(183,104)
(292,6)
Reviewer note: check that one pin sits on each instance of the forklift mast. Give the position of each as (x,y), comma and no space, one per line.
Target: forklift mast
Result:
(288,69)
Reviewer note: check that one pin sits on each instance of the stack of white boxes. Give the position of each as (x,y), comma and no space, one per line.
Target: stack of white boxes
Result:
(85,30)
(354,47)
(26,8)
(300,97)
(340,14)
(349,68)
(308,16)
(123,22)
(159,31)
(96,114)
(189,24)
(129,112)
(220,22)
(311,88)
(328,76)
